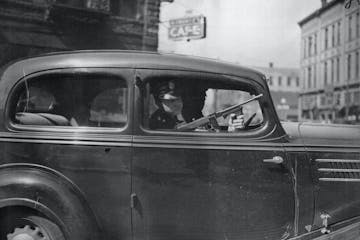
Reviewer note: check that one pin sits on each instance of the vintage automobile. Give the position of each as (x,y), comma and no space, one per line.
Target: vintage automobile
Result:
(81,160)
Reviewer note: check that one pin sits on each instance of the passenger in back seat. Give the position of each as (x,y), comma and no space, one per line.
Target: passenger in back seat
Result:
(81,116)
(41,119)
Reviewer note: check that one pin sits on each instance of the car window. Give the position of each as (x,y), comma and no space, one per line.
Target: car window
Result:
(187,104)
(77,100)
(109,108)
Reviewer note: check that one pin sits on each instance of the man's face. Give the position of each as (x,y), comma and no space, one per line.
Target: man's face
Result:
(173,106)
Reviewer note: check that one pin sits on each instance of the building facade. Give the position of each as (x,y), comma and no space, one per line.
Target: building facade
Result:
(284,84)
(29,27)
(330,65)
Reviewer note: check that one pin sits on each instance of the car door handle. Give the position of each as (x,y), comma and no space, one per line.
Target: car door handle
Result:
(276,160)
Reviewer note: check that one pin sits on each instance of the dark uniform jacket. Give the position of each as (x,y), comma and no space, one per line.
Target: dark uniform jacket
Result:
(163,120)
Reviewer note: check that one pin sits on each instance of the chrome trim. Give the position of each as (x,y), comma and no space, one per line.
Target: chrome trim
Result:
(340,179)
(94,141)
(209,147)
(333,148)
(339,170)
(210,142)
(113,144)
(338,160)
(205,141)
(66,136)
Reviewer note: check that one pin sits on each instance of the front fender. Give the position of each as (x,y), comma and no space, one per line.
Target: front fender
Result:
(51,193)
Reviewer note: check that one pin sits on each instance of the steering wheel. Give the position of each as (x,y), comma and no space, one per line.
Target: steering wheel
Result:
(247,123)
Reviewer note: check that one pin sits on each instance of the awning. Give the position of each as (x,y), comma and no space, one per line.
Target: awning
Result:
(44,40)
(353,110)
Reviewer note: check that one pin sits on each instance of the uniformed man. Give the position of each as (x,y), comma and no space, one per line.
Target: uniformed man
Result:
(170,109)
(169,102)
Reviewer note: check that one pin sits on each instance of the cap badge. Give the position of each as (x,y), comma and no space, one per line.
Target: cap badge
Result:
(171,85)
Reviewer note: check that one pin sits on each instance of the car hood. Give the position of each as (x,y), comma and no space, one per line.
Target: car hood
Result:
(322,134)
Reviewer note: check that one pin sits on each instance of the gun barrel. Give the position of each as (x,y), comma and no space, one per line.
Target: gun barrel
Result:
(224,113)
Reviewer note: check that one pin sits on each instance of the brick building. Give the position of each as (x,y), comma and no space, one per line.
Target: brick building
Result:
(330,62)
(29,27)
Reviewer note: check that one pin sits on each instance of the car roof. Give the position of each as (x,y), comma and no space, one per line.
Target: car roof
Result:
(126,59)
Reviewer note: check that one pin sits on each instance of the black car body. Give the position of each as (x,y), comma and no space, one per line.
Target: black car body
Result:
(114,177)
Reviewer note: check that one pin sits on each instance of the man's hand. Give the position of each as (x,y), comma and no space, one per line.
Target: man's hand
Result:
(236,122)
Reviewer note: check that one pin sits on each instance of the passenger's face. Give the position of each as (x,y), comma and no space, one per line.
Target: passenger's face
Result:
(173,106)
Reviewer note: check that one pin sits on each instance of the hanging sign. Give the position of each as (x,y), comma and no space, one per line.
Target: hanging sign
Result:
(187,28)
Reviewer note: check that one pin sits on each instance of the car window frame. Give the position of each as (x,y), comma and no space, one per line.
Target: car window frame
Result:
(266,128)
(126,74)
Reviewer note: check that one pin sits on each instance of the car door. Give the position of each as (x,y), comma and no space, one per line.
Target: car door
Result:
(205,184)
(77,121)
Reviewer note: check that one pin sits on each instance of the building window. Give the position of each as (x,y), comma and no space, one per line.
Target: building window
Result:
(347,98)
(270,81)
(350,28)
(325,73)
(357,24)
(74,3)
(304,44)
(357,64)
(333,36)
(289,81)
(315,41)
(297,81)
(357,96)
(102,5)
(310,46)
(322,102)
(337,99)
(125,8)
(326,37)
(314,76)
(332,71)
(304,78)
(309,77)
(337,69)
(280,80)
(349,67)
(339,33)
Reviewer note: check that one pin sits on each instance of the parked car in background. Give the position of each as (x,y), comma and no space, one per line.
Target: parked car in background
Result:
(80,160)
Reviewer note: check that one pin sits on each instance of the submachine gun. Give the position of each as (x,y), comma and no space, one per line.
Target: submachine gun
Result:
(211,119)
